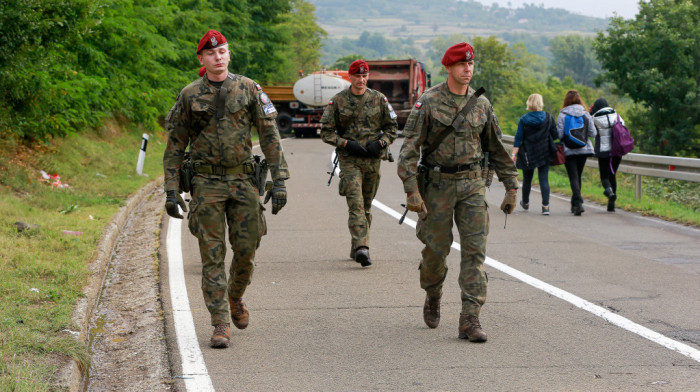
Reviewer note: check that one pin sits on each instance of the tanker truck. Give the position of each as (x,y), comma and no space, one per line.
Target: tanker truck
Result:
(300,106)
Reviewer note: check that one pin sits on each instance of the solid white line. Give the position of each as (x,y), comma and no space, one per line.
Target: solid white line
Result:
(572,299)
(194,371)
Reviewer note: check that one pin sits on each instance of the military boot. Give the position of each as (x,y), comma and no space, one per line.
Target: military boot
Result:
(239,312)
(362,256)
(221,336)
(431,311)
(470,328)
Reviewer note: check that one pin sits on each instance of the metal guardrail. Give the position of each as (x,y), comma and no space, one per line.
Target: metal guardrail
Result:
(685,169)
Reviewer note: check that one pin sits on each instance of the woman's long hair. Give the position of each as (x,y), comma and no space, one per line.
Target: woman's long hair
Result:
(572,98)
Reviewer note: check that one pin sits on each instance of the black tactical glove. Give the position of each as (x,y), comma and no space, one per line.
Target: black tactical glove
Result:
(172,200)
(278,193)
(375,148)
(354,148)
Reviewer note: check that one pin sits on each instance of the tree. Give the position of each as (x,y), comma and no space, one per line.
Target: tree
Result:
(304,43)
(574,56)
(655,59)
(495,68)
(343,63)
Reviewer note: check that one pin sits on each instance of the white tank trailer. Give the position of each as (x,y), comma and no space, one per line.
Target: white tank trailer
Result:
(317,89)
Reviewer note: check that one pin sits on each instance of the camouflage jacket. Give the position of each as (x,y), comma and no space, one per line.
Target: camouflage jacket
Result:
(376,120)
(432,114)
(226,142)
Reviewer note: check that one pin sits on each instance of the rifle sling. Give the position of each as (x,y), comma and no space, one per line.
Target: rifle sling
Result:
(459,118)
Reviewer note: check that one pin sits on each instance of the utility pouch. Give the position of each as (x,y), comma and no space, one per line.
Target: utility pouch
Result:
(422,179)
(486,170)
(260,173)
(186,173)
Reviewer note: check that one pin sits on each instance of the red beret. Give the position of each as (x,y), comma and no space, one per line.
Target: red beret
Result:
(457,53)
(358,67)
(202,71)
(212,39)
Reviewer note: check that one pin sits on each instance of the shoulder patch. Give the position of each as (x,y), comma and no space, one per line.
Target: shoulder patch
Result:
(330,102)
(257,86)
(419,104)
(392,114)
(264,98)
(385,99)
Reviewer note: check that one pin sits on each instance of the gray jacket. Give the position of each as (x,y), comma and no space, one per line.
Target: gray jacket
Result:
(576,110)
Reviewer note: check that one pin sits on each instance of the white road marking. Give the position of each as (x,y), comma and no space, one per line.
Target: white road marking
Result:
(579,302)
(194,371)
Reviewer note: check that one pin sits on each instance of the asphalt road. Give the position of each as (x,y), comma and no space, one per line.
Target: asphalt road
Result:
(320,322)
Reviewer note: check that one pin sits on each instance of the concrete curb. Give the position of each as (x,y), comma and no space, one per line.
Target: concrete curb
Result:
(71,376)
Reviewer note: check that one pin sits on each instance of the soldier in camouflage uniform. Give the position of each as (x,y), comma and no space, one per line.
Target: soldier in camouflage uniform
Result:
(214,116)
(361,124)
(453,186)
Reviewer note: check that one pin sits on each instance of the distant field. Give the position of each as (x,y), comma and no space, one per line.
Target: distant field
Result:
(419,32)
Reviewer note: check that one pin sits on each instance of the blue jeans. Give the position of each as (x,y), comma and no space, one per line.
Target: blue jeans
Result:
(543,176)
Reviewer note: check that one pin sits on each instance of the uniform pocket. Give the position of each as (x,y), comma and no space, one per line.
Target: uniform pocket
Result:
(202,113)
(477,118)
(262,223)
(344,119)
(374,114)
(442,116)
(343,186)
(192,223)
(236,105)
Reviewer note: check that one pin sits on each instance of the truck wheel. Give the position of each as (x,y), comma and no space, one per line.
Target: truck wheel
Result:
(284,122)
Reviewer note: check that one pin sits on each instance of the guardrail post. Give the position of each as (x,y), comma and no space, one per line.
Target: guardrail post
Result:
(638,187)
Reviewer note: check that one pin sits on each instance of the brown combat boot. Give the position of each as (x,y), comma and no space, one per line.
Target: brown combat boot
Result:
(470,328)
(221,336)
(431,311)
(239,312)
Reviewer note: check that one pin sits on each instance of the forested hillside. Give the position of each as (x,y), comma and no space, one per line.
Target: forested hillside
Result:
(414,23)
(67,65)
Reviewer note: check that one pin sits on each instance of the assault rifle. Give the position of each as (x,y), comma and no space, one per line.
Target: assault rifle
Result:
(332,172)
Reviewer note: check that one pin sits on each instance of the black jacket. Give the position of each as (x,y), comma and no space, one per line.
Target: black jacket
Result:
(537,148)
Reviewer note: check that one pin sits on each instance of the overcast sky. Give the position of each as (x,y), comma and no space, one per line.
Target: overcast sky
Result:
(600,8)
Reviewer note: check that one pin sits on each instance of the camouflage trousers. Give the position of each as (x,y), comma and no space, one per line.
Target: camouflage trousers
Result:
(359,180)
(215,204)
(455,198)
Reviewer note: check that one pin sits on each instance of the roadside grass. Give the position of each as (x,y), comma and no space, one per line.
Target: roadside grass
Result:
(43,270)
(672,200)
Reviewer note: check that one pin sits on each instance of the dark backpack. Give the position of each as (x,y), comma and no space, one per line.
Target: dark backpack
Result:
(575,131)
(622,141)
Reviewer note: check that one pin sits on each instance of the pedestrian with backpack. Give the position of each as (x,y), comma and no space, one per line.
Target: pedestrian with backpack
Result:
(533,148)
(604,119)
(574,128)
